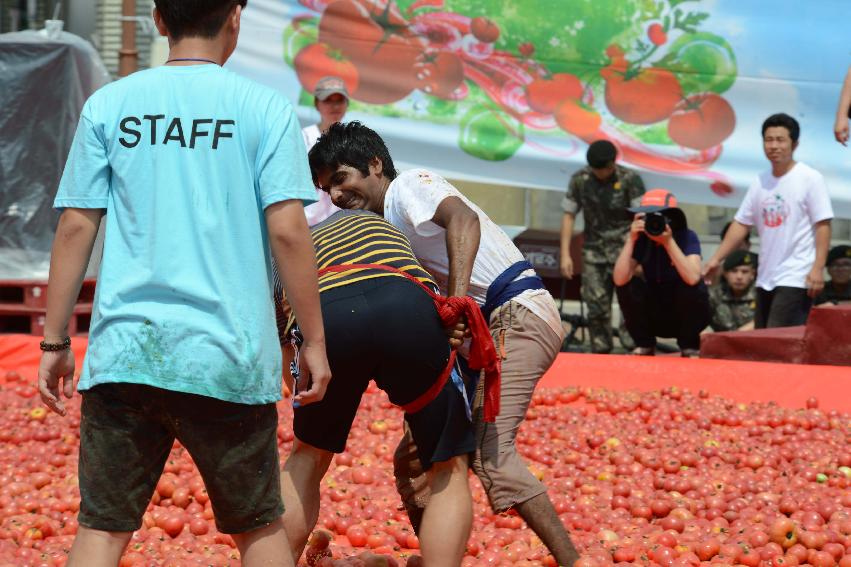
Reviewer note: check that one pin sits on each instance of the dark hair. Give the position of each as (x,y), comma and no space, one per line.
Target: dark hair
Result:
(601,153)
(195,18)
(727,227)
(785,121)
(351,144)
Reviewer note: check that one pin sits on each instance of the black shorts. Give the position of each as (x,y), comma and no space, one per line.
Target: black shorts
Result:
(126,435)
(386,329)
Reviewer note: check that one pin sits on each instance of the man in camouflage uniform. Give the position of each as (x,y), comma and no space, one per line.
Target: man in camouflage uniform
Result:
(732,300)
(838,289)
(603,190)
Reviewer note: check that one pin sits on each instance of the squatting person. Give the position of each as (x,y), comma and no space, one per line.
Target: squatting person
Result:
(670,299)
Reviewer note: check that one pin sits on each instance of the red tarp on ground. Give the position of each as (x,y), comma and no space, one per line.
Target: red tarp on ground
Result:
(788,384)
(21,353)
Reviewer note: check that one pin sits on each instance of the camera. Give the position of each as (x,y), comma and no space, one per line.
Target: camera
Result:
(655,223)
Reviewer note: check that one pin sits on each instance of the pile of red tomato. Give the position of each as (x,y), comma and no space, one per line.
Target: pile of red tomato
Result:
(669,478)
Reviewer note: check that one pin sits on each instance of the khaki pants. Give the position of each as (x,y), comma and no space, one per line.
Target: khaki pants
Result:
(528,347)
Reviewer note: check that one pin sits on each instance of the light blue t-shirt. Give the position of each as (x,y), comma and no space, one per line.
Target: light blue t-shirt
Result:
(185,160)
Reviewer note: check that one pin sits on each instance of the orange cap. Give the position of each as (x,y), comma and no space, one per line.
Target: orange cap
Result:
(656,200)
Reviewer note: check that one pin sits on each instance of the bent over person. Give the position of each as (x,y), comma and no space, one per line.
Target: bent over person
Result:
(468,255)
(382,324)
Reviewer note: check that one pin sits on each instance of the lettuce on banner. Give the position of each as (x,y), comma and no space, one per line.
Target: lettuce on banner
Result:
(496,90)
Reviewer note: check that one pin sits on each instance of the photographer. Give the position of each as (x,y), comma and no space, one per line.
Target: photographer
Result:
(671,300)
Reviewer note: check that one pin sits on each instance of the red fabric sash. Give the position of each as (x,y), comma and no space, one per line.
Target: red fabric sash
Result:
(482,350)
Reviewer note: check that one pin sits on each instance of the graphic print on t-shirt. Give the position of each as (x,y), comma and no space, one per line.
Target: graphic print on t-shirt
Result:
(775,211)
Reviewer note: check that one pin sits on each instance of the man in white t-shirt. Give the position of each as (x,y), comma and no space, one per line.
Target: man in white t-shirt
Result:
(790,208)
(331,99)
(468,255)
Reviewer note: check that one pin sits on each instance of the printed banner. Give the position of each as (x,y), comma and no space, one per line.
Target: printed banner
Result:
(510,92)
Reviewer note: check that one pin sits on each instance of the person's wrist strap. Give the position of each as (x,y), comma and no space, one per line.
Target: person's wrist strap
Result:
(53,347)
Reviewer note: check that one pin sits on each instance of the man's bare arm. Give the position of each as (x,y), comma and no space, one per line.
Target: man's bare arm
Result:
(463,233)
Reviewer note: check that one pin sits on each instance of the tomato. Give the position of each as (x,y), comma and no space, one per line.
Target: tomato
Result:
(362,475)
(656,34)
(484,29)
(319,60)
(702,121)
(173,524)
(12,376)
(576,119)
(375,37)
(199,526)
(356,536)
(200,496)
(38,413)
(663,555)
(132,559)
(837,550)
(166,485)
(413,542)
(822,559)
(543,95)
(643,97)
(438,74)
(626,553)
(707,548)
(181,497)
(672,523)
(784,533)
(344,460)
(526,49)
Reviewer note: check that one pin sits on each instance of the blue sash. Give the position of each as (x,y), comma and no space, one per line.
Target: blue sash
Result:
(504,288)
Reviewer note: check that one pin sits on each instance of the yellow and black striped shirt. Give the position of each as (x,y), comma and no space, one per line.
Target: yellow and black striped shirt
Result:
(361,237)
(355,237)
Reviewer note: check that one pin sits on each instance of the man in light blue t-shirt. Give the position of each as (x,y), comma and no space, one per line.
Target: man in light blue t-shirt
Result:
(199,172)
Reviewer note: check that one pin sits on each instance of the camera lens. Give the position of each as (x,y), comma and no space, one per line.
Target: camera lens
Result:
(655,223)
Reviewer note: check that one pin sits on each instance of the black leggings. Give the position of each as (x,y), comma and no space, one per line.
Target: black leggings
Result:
(670,309)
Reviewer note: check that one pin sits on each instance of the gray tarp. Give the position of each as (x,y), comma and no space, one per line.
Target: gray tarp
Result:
(43,85)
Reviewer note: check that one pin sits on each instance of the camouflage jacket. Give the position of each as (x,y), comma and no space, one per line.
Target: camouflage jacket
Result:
(729,312)
(832,295)
(604,204)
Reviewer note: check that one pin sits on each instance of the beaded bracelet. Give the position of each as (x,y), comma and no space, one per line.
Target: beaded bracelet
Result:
(54,347)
